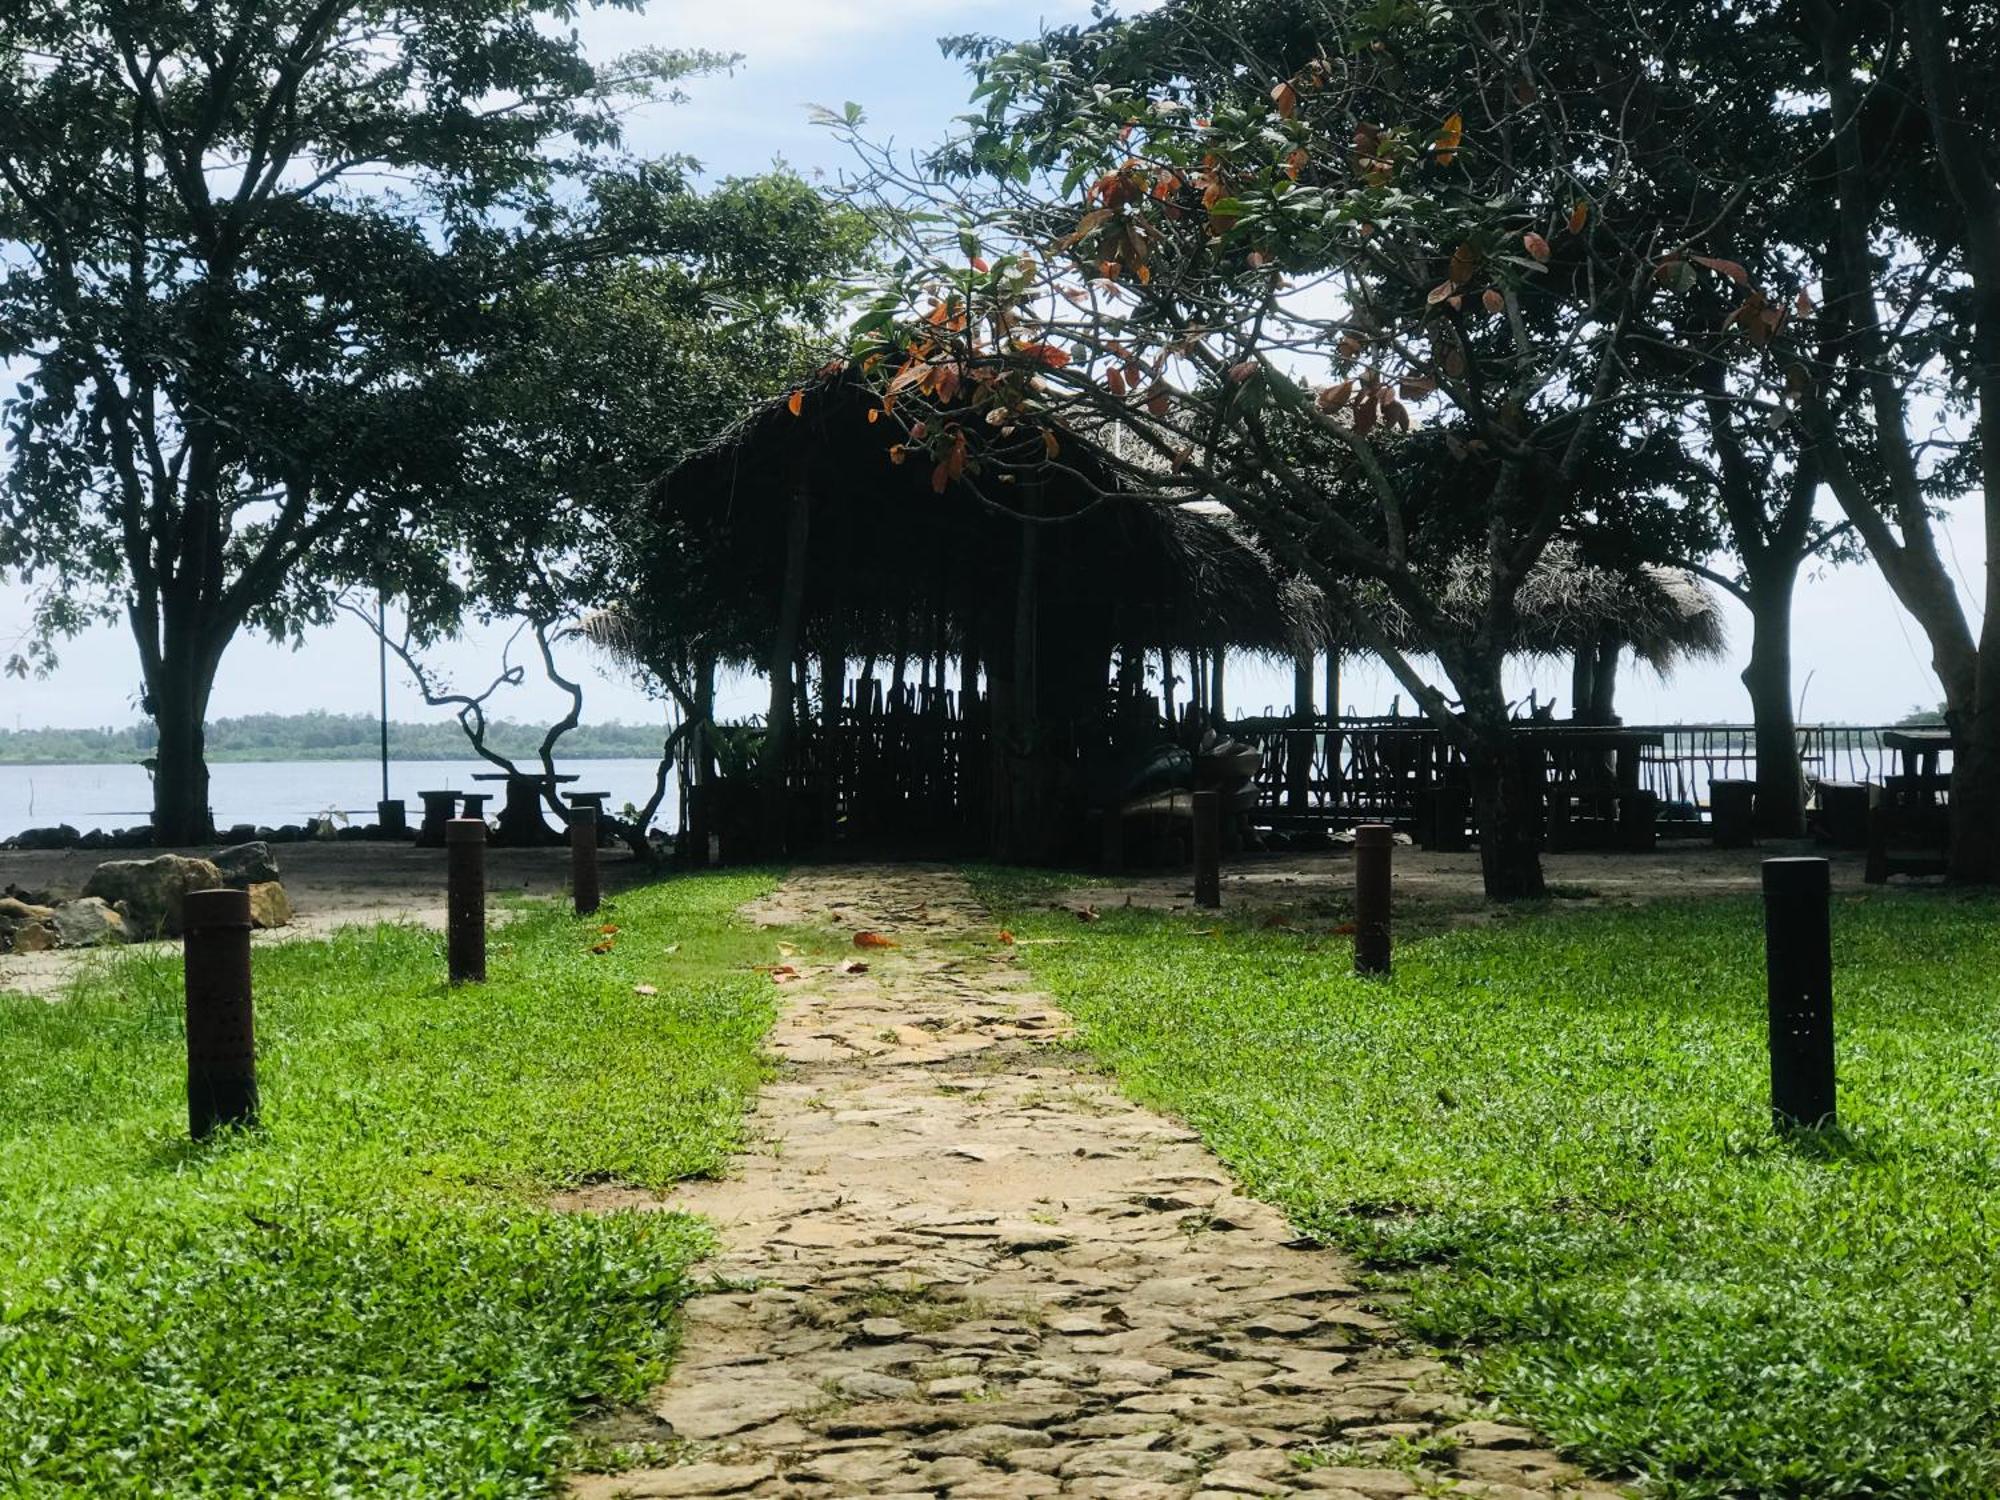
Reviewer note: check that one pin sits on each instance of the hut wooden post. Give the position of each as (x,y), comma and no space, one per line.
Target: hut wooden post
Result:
(784,656)
(1299,743)
(1333,682)
(1216,710)
(1167,683)
(701,810)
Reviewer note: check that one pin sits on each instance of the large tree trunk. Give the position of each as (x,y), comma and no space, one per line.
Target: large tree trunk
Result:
(1510,834)
(1781,782)
(178,687)
(1975,776)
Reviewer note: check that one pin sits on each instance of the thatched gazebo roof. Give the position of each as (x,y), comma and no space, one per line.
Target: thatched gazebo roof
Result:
(1667,616)
(896,566)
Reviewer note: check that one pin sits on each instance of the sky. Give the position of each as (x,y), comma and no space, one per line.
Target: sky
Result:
(1857,656)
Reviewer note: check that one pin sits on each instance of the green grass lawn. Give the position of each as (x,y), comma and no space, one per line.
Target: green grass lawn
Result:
(366,1296)
(1552,1134)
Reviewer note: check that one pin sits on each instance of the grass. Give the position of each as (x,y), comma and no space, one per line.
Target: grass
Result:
(367,1295)
(1551,1135)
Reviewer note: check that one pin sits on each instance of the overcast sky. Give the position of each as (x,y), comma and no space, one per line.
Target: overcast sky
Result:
(1858,657)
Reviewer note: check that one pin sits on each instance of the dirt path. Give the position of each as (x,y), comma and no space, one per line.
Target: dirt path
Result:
(970,1267)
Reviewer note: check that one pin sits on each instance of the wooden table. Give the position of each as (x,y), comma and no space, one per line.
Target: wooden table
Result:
(1564,756)
(1909,828)
(440,807)
(521,822)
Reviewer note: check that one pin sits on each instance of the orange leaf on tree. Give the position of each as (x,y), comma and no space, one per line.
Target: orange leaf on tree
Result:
(1286,100)
(1536,246)
(1493,300)
(797,400)
(1729,268)
(1579,215)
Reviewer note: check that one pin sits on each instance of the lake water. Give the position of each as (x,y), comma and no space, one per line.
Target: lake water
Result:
(272,793)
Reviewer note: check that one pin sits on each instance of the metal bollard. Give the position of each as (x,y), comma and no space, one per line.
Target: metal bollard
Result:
(1372,845)
(583,882)
(1208,849)
(465,900)
(221,1034)
(1798,968)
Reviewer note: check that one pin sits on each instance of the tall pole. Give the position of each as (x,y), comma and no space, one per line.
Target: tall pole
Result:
(221,1036)
(1373,845)
(382,671)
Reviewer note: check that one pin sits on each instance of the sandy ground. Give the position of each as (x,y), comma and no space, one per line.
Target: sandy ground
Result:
(1438,890)
(330,885)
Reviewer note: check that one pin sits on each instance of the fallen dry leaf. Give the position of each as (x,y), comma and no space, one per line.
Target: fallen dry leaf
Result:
(784,974)
(608,928)
(786,950)
(868,939)
(603,947)
(1006,937)
(1345,929)
(1086,914)
(645,989)
(673,948)
(854,966)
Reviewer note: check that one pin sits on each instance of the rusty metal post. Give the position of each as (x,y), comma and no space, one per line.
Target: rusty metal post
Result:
(583,882)
(1798,968)
(1208,849)
(465,899)
(1373,843)
(221,1035)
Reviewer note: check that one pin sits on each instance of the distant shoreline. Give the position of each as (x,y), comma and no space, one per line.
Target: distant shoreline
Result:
(238,758)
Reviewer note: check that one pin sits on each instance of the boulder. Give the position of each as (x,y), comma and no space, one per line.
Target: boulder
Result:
(20,909)
(269,905)
(89,922)
(150,891)
(240,833)
(59,837)
(33,937)
(245,865)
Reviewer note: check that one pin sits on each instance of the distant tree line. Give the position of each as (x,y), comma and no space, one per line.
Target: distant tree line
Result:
(320,736)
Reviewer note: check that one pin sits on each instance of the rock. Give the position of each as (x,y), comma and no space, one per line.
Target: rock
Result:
(28,937)
(150,891)
(132,838)
(32,898)
(1488,1435)
(872,1385)
(239,833)
(247,864)
(59,837)
(269,905)
(15,909)
(696,1479)
(88,922)
(1131,1463)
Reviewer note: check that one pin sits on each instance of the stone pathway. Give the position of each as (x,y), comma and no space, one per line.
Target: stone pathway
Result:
(963,1264)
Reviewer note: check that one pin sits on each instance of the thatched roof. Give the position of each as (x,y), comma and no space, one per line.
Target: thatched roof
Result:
(1666,615)
(894,562)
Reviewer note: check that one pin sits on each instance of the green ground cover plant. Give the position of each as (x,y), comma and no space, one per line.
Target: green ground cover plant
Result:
(1551,1135)
(368,1295)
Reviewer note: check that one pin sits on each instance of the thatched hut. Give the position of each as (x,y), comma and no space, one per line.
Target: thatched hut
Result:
(1572,609)
(807,540)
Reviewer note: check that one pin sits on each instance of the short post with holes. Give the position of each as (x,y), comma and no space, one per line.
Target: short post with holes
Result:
(583,881)
(465,900)
(1208,849)
(1798,971)
(1373,843)
(221,1032)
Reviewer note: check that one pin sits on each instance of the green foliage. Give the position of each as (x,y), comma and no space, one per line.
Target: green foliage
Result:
(366,1295)
(1552,1133)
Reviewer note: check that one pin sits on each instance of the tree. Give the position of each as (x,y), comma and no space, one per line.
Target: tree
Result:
(609,374)
(253,253)
(1372,276)
(1909,330)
